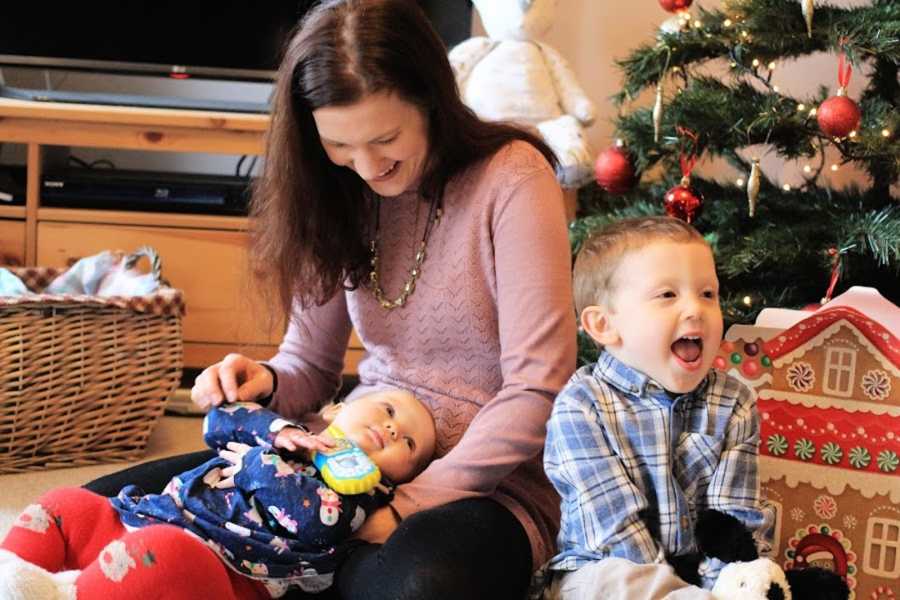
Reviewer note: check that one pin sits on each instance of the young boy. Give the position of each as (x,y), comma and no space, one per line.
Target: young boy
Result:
(643,439)
(248,524)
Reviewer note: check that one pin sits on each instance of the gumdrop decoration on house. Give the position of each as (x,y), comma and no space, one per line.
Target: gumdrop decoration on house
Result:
(839,116)
(614,169)
(682,201)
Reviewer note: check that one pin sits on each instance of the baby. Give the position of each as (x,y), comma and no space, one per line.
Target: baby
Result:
(247,524)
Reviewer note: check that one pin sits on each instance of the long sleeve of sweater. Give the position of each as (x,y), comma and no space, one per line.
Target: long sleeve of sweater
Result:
(311,357)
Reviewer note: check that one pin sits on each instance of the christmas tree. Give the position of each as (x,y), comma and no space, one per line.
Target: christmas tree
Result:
(775,245)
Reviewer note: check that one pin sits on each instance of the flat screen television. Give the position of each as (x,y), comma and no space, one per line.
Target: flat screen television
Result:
(181,39)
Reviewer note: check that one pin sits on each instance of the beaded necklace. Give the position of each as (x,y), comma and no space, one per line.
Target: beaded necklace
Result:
(434,216)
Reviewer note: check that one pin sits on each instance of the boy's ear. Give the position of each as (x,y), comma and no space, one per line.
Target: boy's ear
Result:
(330,411)
(596,323)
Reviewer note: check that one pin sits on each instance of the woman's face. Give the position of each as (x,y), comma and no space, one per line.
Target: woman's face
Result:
(382,138)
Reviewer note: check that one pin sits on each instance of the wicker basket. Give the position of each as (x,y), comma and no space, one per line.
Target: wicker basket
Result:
(84,379)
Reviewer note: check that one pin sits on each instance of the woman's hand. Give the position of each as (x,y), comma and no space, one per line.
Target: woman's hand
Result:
(379,526)
(235,379)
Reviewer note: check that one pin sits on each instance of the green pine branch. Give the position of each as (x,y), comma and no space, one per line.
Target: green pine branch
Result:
(800,238)
(775,29)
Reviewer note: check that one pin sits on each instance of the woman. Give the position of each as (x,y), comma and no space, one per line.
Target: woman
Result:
(387,206)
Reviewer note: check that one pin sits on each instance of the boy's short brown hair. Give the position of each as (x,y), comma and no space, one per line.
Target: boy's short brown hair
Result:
(603,250)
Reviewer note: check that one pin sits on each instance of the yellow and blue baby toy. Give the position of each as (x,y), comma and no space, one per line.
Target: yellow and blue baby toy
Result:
(346,468)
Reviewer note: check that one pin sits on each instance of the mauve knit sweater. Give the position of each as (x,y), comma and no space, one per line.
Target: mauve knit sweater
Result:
(486,340)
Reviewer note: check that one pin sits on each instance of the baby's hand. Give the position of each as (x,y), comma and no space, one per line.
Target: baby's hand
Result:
(293,439)
(234,455)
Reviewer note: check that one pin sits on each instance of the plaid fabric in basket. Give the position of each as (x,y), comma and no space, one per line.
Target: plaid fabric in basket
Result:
(164,301)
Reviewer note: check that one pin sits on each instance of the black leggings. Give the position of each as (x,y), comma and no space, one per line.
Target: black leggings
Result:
(468,549)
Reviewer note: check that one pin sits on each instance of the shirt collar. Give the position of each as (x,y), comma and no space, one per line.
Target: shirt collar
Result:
(632,382)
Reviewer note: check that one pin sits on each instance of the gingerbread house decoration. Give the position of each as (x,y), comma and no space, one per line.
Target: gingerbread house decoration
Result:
(828,384)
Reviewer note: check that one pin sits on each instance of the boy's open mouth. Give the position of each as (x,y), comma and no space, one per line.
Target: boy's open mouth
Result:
(688,348)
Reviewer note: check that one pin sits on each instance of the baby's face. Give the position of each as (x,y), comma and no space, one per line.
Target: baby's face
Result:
(665,308)
(393,428)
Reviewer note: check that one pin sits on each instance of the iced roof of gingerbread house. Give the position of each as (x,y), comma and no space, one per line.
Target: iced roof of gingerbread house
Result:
(820,325)
(864,299)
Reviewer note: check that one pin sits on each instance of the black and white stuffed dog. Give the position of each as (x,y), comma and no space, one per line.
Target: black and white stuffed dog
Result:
(746,576)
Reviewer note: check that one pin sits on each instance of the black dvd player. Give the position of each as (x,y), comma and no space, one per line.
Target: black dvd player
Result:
(115,189)
(12,185)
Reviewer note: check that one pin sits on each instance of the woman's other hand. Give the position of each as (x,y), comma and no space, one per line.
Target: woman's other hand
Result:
(378,526)
(235,379)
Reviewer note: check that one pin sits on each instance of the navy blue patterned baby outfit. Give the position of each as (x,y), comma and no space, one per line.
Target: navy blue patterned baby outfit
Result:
(280,523)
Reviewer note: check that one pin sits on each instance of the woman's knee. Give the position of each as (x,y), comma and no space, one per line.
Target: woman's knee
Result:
(467,549)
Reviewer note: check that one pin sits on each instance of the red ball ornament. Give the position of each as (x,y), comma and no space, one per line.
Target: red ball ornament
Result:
(683,203)
(675,5)
(838,116)
(614,170)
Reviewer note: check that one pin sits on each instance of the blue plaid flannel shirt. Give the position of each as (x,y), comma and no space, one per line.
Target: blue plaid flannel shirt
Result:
(633,465)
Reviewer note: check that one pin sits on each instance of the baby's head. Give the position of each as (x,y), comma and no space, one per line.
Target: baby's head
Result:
(393,427)
(646,291)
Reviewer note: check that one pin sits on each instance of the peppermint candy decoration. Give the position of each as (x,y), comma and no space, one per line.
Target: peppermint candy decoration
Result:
(859,457)
(825,507)
(887,461)
(831,453)
(876,385)
(777,444)
(804,449)
(801,377)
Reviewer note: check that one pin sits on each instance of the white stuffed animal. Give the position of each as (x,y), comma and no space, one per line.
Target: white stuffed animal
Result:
(21,580)
(758,579)
(762,579)
(511,76)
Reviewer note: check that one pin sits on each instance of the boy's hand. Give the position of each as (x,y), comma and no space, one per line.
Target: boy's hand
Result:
(687,567)
(294,439)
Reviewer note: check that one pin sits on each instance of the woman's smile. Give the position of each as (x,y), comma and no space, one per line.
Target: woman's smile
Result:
(387,173)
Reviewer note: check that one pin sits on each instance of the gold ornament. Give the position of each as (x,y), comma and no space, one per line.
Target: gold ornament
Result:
(657,112)
(410,286)
(753,187)
(808,7)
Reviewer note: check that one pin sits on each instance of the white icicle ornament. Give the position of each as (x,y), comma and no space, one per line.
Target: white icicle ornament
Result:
(657,112)
(808,7)
(753,187)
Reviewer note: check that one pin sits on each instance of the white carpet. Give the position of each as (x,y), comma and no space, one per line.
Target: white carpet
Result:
(172,435)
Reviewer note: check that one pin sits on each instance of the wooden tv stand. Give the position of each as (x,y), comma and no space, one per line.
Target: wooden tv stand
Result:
(204,255)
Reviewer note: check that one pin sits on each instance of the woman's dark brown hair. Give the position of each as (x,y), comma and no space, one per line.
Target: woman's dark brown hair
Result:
(311,219)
